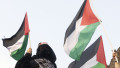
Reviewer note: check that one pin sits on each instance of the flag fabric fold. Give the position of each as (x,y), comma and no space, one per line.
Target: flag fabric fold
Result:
(80,31)
(17,43)
(92,57)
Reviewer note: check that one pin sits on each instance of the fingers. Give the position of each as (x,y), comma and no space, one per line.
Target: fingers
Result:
(29,50)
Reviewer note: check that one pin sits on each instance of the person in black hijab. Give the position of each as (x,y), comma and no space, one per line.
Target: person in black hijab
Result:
(44,58)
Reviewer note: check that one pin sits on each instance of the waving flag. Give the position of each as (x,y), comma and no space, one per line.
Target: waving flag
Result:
(80,31)
(92,57)
(18,42)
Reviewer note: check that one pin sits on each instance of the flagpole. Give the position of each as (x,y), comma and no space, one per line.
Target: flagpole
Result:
(109,41)
(29,40)
(106,35)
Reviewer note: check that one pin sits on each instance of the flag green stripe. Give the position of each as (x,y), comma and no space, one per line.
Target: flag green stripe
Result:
(99,65)
(83,40)
(17,54)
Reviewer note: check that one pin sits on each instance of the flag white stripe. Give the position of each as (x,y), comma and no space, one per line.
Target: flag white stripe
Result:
(17,45)
(90,63)
(72,40)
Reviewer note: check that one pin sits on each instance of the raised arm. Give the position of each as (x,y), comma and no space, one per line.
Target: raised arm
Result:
(24,62)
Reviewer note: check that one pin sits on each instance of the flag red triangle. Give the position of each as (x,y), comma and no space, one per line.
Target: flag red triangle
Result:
(27,30)
(88,15)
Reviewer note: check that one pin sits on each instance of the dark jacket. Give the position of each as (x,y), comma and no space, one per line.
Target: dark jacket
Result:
(44,58)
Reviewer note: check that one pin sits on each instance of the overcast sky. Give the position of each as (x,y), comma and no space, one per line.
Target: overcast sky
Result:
(48,21)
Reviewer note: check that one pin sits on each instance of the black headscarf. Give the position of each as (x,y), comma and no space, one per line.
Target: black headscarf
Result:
(45,51)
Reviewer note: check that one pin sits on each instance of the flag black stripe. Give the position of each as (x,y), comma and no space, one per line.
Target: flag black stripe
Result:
(71,28)
(11,41)
(89,53)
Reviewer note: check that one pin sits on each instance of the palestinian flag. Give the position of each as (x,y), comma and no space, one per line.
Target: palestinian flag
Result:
(80,31)
(92,57)
(18,42)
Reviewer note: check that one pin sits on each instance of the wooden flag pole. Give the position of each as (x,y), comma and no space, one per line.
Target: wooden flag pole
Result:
(109,41)
(107,37)
(29,40)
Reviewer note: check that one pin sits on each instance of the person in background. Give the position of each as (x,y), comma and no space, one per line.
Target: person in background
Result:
(44,58)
